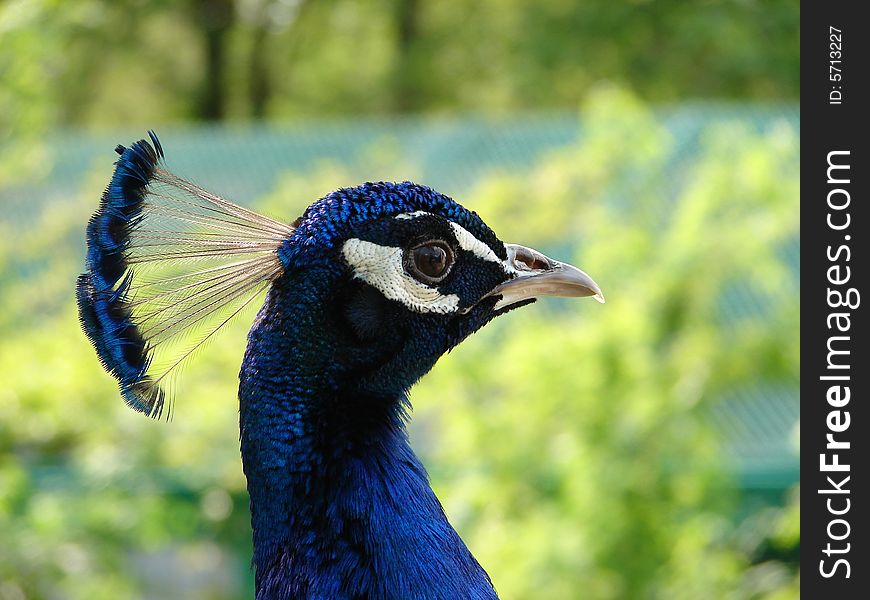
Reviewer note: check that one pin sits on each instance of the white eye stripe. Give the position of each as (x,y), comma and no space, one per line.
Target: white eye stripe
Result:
(413,215)
(468,242)
(382,268)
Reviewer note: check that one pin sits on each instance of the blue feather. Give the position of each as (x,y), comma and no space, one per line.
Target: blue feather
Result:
(341,507)
(334,218)
(165,257)
(101,292)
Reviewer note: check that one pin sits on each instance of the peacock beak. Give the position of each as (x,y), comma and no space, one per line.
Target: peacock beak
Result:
(536,275)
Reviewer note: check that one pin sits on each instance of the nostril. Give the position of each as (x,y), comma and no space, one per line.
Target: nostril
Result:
(526,259)
(540,264)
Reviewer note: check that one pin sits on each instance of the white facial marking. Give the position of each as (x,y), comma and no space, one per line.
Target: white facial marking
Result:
(466,239)
(413,215)
(382,268)
(470,243)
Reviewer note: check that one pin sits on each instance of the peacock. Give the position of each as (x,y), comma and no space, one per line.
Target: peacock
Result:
(363,293)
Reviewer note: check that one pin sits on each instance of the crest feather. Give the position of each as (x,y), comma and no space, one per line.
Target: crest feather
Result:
(168,265)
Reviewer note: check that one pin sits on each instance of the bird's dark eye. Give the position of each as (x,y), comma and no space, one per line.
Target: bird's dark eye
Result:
(430,262)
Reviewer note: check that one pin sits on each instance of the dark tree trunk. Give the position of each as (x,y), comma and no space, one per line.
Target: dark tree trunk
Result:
(215,18)
(260,86)
(406,94)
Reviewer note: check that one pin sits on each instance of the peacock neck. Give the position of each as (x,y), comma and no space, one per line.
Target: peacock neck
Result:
(340,505)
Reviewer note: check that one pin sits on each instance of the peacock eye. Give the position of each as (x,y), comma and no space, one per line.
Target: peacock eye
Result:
(430,262)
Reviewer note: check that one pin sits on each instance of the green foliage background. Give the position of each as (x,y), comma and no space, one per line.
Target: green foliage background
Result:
(574,446)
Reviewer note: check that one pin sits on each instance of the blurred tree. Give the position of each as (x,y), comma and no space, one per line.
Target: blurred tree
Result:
(96,62)
(259,86)
(214,19)
(404,83)
(260,21)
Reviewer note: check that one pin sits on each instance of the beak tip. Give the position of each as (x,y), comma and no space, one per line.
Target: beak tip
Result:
(535,275)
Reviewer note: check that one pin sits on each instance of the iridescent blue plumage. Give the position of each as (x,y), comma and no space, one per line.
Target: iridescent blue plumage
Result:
(166,258)
(366,290)
(341,507)
(333,218)
(102,291)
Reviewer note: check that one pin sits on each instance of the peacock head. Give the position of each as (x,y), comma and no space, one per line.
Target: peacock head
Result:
(409,273)
(373,283)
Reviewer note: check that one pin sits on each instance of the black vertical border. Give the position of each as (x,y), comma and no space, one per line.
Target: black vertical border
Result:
(827,127)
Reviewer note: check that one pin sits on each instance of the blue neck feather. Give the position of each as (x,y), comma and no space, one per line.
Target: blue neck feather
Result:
(341,507)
